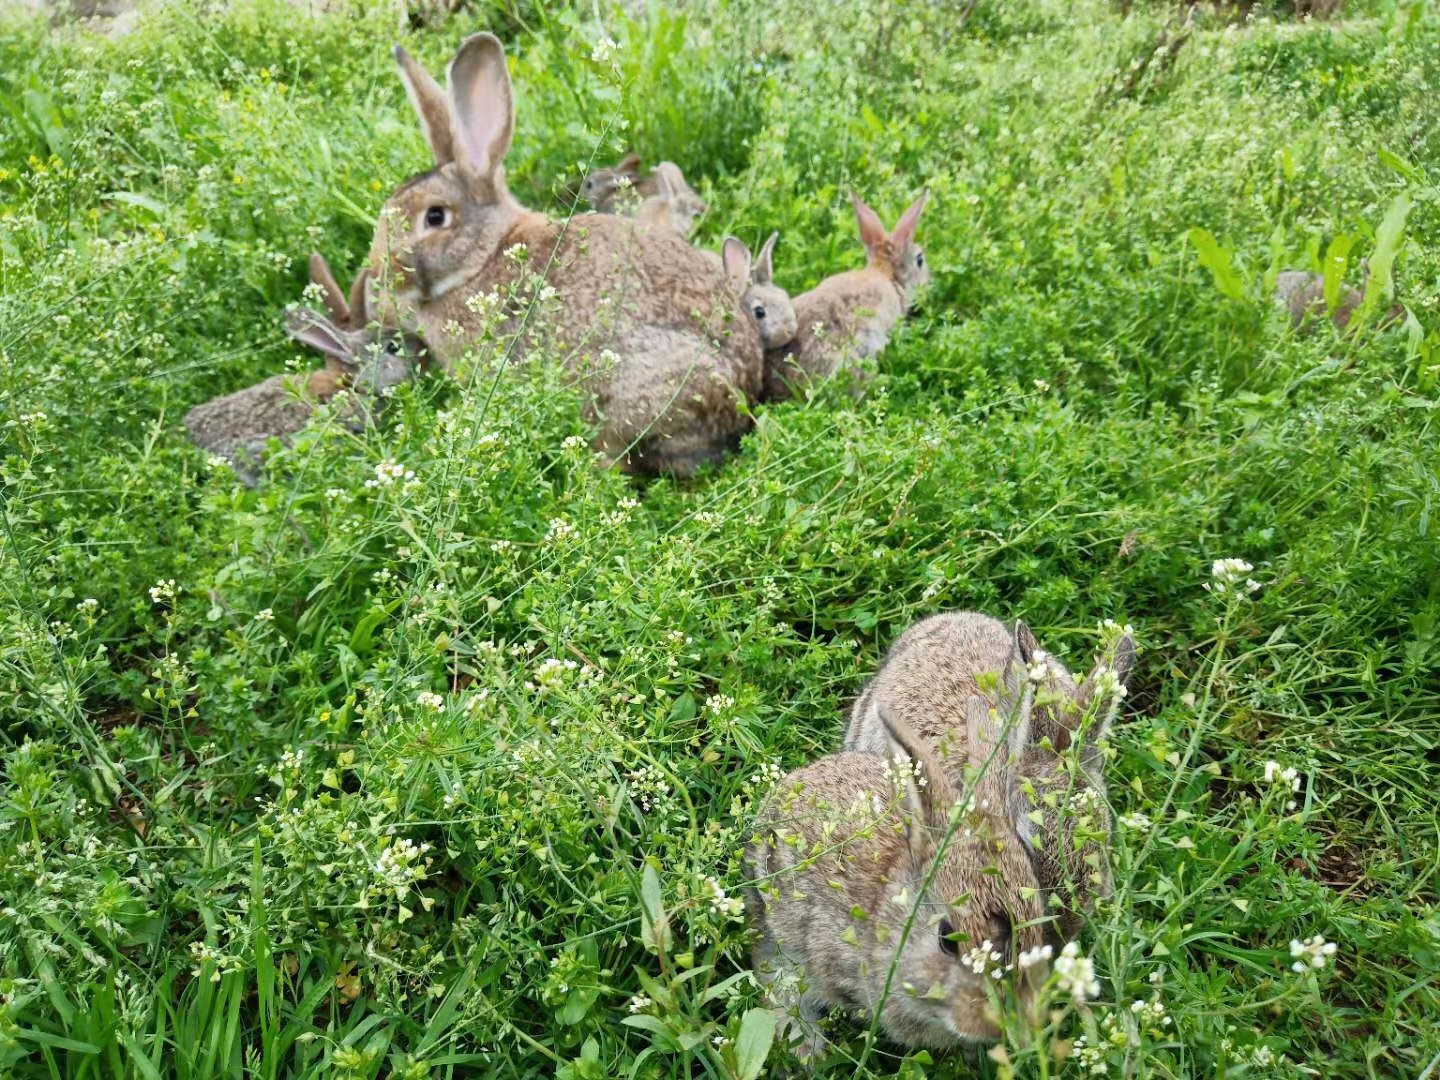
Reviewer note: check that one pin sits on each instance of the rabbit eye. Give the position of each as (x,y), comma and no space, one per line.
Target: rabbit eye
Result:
(437,217)
(393,348)
(948,945)
(759,311)
(919,258)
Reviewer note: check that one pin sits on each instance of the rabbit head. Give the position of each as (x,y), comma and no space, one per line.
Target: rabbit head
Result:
(439,228)
(895,254)
(767,304)
(602,188)
(1063,707)
(358,349)
(675,204)
(937,890)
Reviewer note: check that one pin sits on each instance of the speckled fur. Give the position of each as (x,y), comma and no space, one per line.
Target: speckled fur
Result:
(938,669)
(854,832)
(621,286)
(1302,295)
(850,316)
(765,303)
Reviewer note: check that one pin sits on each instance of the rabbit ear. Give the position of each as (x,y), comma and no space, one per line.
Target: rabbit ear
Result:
(1121,661)
(315,330)
(872,230)
(735,257)
(1025,643)
(905,229)
(664,177)
(629,164)
(484,106)
(431,105)
(928,793)
(334,297)
(362,307)
(764,273)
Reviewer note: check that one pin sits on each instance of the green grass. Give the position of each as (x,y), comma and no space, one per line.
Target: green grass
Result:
(236,837)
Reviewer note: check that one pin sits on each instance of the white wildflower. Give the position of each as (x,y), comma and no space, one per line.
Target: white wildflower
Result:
(604,51)
(163,591)
(265,615)
(1075,974)
(428,699)
(1311,953)
(639,1003)
(1229,575)
(1030,957)
(388,473)
(1136,820)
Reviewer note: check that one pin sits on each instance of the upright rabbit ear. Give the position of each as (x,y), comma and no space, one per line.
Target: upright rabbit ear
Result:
(1109,677)
(1025,643)
(484,105)
(665,176)
(431,105)
(334,297)
(905,229)
(362,307)
(928,794)
(315,330)
(872,230)
(630,164)
(735,257)
(764,272)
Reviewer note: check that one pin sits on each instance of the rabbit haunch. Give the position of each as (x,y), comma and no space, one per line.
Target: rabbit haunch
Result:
(943,668)
(840,861)
(360,355)
(675,371)
(850,316)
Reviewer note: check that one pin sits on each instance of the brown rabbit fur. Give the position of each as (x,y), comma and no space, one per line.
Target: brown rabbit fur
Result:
(606,188)
(366,358)
(1302,295)
(767,304)
(644,294)
(934,674)
(842,850)
(850,316)
(675,205)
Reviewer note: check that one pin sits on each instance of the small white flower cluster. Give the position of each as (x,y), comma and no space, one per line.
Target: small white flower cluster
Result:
(1041,385)
(985,959)
(1075,974)
(1152,1014)
(88,606)
(649,788)
(707,517)
(1111,631)
(639,1003)
(388,473)
(621,514)
(1287,777)
(766,777)
(1137,820)
(163,591)
(553,673)
(573,442)
(560,531)
(604,51)
(516,253)
(721,904)
(1030,957)
(1108,684)
(1230,575)
(402,864)
(1039,671)
(428,699)
(901,770)
(1311,953)
(265,615)
(718,704)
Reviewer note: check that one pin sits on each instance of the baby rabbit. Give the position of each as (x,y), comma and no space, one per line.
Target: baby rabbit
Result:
(644,321)
(849,316)
(238,426)
(1302,295)
(603,188)
(839,864)
(675,204)
(945,666)
(767,304)
(662,198)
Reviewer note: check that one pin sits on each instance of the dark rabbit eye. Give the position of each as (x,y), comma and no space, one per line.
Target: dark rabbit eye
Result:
(919,258)
(948,944)
(759,311)
(436,217)
(393,348)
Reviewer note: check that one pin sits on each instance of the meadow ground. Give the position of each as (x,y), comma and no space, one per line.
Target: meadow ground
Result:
(358,774)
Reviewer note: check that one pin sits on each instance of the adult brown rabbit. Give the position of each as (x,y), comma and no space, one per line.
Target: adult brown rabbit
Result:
(645,321)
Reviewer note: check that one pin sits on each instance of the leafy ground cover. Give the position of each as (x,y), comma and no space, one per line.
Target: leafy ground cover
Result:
(434,755)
